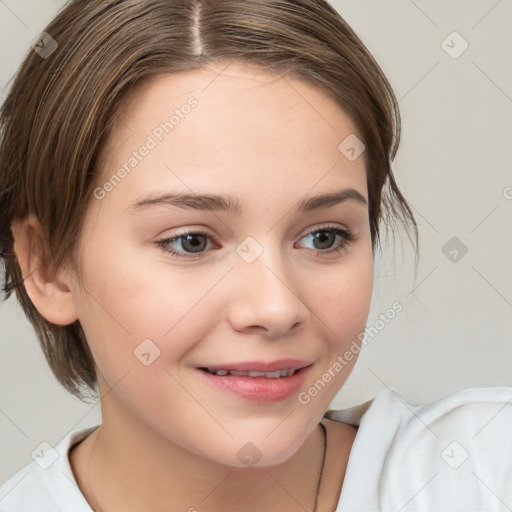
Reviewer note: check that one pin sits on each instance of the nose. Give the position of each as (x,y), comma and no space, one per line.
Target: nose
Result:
(266,297)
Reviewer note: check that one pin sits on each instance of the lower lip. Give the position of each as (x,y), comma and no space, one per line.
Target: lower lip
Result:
(258,389)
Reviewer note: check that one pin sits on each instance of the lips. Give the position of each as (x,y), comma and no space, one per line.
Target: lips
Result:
(256,380)
(260,366)
(245,373)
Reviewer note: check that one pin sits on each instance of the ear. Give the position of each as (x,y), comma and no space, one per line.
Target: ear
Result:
(51,297)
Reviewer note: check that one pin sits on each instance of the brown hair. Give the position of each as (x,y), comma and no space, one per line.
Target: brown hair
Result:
(60,109)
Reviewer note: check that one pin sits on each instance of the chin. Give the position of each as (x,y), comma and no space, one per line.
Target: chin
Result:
(261,452)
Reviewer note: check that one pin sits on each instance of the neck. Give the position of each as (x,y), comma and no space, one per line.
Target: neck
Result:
(118,471)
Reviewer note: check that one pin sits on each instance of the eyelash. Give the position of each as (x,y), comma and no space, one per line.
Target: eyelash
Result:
(347,238)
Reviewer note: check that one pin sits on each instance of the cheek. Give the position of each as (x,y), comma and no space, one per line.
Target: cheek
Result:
(341,303)
(342,298)
(129,301)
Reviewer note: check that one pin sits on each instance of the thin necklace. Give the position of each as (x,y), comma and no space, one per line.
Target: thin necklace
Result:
(324,432)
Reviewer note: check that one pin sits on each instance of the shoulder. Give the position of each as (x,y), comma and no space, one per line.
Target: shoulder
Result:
(467,414)
(464,409)
(444,455)
(46,484)
(450,431)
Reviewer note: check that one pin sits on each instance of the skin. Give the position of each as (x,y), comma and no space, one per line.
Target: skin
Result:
(168,440)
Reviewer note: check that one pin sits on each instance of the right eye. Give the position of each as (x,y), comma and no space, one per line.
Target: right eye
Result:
(186,245)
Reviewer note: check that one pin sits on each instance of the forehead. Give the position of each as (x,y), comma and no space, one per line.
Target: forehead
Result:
(236,126)
(232,92)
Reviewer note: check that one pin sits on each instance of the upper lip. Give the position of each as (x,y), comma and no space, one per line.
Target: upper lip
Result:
(261,366)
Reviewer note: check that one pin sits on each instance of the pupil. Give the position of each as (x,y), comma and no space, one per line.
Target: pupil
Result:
(322,237)
(196,245)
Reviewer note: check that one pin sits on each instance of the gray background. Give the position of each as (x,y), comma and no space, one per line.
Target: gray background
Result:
(454,166)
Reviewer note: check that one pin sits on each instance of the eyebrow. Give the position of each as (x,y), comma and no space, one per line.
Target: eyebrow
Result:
(222,203)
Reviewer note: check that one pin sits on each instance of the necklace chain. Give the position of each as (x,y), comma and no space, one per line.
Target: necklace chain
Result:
(324,435)
(324,432)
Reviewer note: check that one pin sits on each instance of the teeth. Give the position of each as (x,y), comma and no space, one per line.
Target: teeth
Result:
(237,373)
(269,375)
(240,373)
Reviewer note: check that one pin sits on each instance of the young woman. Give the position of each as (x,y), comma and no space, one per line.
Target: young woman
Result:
(193,194)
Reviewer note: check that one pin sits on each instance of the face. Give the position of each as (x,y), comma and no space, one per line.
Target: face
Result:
(175,283)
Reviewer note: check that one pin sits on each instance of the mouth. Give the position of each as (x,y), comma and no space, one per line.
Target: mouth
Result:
(279,369)
(278,374)
(257,381)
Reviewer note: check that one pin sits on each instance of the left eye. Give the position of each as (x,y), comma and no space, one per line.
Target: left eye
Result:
(324,239)
(194,243)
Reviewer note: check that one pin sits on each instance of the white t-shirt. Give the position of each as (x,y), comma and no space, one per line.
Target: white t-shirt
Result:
(454,455)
